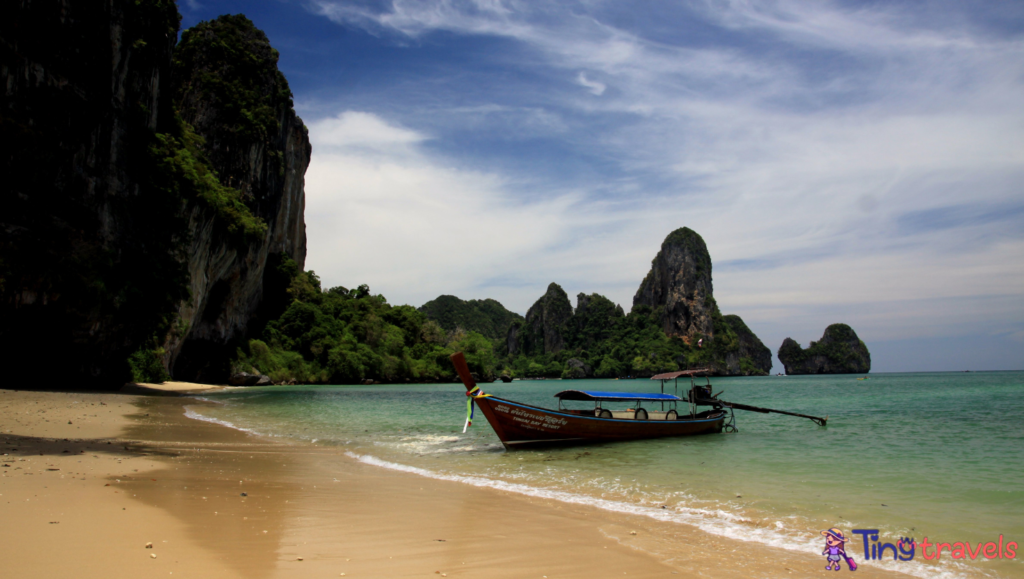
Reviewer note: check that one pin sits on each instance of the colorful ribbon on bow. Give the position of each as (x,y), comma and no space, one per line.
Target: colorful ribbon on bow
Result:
(470,396)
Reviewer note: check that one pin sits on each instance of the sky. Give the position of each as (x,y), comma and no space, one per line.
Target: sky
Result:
(856,162)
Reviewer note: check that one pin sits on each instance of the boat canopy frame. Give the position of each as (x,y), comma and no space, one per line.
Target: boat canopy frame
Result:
(599,396)
(691,374)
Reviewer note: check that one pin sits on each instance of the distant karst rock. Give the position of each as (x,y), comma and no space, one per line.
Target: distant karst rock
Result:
(753,357)
(839,351)
(599,339)
(679,283)
(678,289)
(542,332)
(593,321)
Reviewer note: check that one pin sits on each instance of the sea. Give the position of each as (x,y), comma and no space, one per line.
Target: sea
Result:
(911,455)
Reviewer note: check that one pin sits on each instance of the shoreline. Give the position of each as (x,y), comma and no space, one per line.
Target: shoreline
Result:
(179,483)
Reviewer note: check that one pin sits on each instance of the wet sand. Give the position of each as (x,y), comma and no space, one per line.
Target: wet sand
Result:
(83,499)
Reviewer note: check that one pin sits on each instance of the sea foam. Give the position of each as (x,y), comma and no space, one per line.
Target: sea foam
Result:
(714,521)
(190,413)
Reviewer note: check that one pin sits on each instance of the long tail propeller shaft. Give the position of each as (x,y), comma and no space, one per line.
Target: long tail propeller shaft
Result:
(818,420)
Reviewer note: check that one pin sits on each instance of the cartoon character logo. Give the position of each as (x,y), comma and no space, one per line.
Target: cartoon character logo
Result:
(834,550)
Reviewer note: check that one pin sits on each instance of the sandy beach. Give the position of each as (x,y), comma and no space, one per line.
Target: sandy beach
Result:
(119,485)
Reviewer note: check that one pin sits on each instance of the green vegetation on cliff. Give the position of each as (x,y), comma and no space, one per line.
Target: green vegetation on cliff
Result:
(228,64)
(617,345)
(543,330)
(183,171)
(342,336)
(487,317)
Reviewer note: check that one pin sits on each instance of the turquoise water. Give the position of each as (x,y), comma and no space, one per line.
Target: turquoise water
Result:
(937,455)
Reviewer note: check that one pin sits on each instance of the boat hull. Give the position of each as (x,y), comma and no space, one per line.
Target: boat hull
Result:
(521,425)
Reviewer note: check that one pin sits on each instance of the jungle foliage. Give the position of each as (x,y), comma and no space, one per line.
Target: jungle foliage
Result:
(350,336)
(487,317)
(615,345)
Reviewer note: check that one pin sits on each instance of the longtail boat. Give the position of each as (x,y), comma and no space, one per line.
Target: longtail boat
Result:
(521,425)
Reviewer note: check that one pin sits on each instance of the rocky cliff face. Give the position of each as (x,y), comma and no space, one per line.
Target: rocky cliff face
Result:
(105,229)
(680,284)
(89,251)
(839,351)
(752,357)
(543,330)
(679,289)
(229,89)
(675,297)
(576,369)
(593,320)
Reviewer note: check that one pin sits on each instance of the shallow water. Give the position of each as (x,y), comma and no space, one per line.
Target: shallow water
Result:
(937,455)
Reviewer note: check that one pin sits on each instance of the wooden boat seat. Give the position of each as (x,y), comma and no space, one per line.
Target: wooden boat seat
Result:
(659,414)
(628,414)
(651,414)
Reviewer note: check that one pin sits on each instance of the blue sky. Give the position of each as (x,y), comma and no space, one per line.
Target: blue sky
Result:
(858,162)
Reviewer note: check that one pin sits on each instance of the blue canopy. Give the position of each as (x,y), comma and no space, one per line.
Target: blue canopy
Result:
(612,396)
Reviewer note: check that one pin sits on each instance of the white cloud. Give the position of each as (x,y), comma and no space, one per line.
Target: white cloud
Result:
(361,130)
(383,212)
(595,88)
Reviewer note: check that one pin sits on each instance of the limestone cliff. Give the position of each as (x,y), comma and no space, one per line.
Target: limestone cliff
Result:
(118,222)
(752,357)
(678,289)
(839,351)
(542,332)
(89,249)
(675,323)
(228,87)
(593,321)
(679,283)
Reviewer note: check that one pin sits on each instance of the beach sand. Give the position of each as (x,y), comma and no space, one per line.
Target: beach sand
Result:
(88,480)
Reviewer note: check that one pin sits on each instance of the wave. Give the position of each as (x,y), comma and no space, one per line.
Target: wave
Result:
(190,413)
(714,521)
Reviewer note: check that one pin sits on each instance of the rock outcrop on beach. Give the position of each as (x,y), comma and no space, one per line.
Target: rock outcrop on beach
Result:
(576,369)
(543,329)
(488,317)
(839,351)
(124,227)
(248,379)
